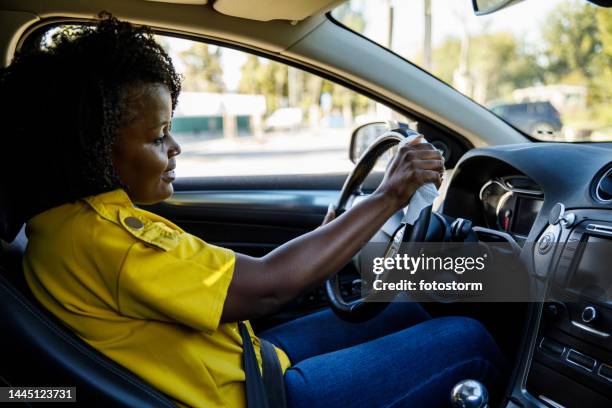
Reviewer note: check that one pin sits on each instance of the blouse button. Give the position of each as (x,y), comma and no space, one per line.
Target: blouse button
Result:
(133,223)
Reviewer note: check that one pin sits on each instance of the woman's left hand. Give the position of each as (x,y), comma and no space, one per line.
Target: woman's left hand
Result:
(331,214)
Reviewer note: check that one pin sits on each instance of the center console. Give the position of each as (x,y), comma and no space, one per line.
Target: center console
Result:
(572,358)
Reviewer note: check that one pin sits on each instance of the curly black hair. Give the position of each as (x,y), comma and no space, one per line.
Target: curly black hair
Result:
(62,105)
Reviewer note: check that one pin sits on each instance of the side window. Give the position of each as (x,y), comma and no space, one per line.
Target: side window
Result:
(241,114)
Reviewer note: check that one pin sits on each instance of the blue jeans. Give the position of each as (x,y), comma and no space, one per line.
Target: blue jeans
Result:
(401,358)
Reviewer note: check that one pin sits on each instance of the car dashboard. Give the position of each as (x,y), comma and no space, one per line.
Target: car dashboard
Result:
(551,199)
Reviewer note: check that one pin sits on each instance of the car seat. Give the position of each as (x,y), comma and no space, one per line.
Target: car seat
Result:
(36,349)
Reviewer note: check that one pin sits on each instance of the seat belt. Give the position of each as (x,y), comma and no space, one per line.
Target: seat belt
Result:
(269,391)
(273,375)
(255,391)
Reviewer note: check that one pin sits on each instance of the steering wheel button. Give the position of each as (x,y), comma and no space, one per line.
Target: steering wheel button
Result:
(545,244)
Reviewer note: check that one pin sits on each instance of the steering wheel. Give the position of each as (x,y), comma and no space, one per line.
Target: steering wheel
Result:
(366,307)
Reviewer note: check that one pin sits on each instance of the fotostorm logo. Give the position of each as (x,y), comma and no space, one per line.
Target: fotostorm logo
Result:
(413,264)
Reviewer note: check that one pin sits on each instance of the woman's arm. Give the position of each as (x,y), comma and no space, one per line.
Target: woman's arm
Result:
(261,285)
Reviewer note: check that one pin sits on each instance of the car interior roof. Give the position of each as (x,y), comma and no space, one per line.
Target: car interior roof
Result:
(188,19)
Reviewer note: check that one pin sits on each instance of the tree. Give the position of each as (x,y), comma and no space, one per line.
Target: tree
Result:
(578,44)
(601,87)
(487,53)
(604,24)
(446,59)
(203,70)
(571,40)
(274,80)
(265,77)
(503,65)
(351,15)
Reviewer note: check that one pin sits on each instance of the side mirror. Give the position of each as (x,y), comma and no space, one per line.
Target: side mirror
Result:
(363,136)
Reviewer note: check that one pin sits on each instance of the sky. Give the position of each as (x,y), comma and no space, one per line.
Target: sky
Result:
(449,18)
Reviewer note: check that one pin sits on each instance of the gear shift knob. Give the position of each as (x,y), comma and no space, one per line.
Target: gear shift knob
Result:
(469,394)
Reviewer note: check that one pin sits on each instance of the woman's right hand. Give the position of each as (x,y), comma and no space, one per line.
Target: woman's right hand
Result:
(414,165)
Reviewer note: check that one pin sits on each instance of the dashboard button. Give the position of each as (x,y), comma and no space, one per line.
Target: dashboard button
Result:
(552,347)
(579,359)
(605,371)
(552,310)
(589,314)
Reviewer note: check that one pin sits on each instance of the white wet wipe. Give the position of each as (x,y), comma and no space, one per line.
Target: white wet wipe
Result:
(424,196)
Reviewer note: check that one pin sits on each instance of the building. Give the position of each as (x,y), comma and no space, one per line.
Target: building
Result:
(215,114)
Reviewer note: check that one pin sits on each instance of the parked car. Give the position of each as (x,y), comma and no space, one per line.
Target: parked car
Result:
(284,119)
(539,119)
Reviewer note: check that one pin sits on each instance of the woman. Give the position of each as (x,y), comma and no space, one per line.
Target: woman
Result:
(90,118)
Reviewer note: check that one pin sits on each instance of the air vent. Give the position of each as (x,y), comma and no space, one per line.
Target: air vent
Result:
(603,190)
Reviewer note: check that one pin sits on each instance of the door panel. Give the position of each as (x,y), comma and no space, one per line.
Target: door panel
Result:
(250,221)
(254,215)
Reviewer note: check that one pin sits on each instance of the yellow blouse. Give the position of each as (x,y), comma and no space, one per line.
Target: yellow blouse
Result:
(143,292)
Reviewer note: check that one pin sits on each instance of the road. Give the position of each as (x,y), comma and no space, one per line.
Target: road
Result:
(296,152)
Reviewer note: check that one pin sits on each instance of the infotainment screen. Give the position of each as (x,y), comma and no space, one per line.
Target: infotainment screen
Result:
(527,210)
(593,274)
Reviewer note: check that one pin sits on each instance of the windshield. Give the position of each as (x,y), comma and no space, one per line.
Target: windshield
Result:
(543,66)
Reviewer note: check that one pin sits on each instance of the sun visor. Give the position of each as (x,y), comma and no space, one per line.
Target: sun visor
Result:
(266,10)
(194,2)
